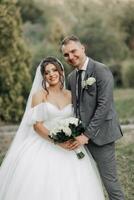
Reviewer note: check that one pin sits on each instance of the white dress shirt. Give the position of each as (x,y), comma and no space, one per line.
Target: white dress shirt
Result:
(84,67)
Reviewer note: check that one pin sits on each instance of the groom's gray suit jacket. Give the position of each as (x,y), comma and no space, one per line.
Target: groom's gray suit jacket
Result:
(97,109)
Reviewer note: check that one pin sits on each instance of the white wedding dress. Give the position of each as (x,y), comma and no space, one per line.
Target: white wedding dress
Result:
(41,170)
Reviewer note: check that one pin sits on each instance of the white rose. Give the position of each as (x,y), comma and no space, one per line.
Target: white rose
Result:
(54,131)
(73,120)
(89,81)
(67,131)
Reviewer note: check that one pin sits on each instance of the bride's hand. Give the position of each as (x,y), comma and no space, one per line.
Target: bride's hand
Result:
(65,145)
(79,140)
(71,144)
(82,139)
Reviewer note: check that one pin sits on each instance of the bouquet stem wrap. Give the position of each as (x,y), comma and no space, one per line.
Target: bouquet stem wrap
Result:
(79,153)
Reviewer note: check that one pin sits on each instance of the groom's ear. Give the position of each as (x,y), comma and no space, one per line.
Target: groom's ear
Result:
(83,47)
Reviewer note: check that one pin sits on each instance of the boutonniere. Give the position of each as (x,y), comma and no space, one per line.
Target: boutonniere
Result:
(88,82)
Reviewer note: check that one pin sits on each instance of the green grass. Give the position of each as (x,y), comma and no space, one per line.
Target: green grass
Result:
(125,163)
(124,102)
(125,168)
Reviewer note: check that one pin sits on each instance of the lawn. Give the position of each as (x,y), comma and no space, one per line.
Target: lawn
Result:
(125,163)
(124,102)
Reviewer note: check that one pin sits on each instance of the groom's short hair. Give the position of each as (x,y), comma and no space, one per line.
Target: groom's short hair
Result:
(69,38)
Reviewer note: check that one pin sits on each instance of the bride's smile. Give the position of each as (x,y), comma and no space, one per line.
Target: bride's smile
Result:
(52,74)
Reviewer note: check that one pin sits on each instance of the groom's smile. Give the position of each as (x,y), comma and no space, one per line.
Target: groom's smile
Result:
(74,54)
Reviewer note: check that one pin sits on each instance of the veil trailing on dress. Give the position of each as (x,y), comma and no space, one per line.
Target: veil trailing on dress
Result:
(24,128)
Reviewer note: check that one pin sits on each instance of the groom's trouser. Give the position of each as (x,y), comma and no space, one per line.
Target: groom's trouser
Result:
(105,159)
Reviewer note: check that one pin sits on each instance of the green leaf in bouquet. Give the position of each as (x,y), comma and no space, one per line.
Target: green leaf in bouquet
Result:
(76,130)
(60,137)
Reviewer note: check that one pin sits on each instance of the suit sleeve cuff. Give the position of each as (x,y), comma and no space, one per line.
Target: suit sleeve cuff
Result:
(90,134)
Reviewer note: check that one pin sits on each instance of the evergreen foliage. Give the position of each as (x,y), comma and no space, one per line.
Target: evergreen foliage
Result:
(15,77)
(31,11)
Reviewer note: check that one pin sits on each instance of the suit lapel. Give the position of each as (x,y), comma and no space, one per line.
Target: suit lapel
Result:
(89,69)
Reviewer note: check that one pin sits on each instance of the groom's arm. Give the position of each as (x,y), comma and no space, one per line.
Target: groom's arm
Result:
(105,85)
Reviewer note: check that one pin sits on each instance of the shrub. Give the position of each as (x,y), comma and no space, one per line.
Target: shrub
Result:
(116,70)
(15,77)
(128,75)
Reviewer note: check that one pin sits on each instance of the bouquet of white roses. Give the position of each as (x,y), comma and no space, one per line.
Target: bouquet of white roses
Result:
(67,129)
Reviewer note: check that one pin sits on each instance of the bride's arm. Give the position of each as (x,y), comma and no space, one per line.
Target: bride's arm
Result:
(42,130)
(38,98)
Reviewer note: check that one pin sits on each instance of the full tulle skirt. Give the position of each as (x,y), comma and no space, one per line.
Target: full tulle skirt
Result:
(40,170)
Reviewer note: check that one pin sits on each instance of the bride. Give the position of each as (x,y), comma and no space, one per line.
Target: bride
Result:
(34,167)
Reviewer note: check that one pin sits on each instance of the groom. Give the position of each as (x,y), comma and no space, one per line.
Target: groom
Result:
(91,85)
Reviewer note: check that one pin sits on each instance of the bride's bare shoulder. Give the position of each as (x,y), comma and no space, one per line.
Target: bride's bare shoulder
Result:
(68,93)
(39,97)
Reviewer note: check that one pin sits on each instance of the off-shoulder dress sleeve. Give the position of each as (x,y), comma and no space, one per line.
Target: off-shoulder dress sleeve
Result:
(36,114)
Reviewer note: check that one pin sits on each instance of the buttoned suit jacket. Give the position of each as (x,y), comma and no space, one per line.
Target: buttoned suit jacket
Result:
(97,110)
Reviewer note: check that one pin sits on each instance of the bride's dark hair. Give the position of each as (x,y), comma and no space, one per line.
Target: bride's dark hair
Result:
(57,64)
